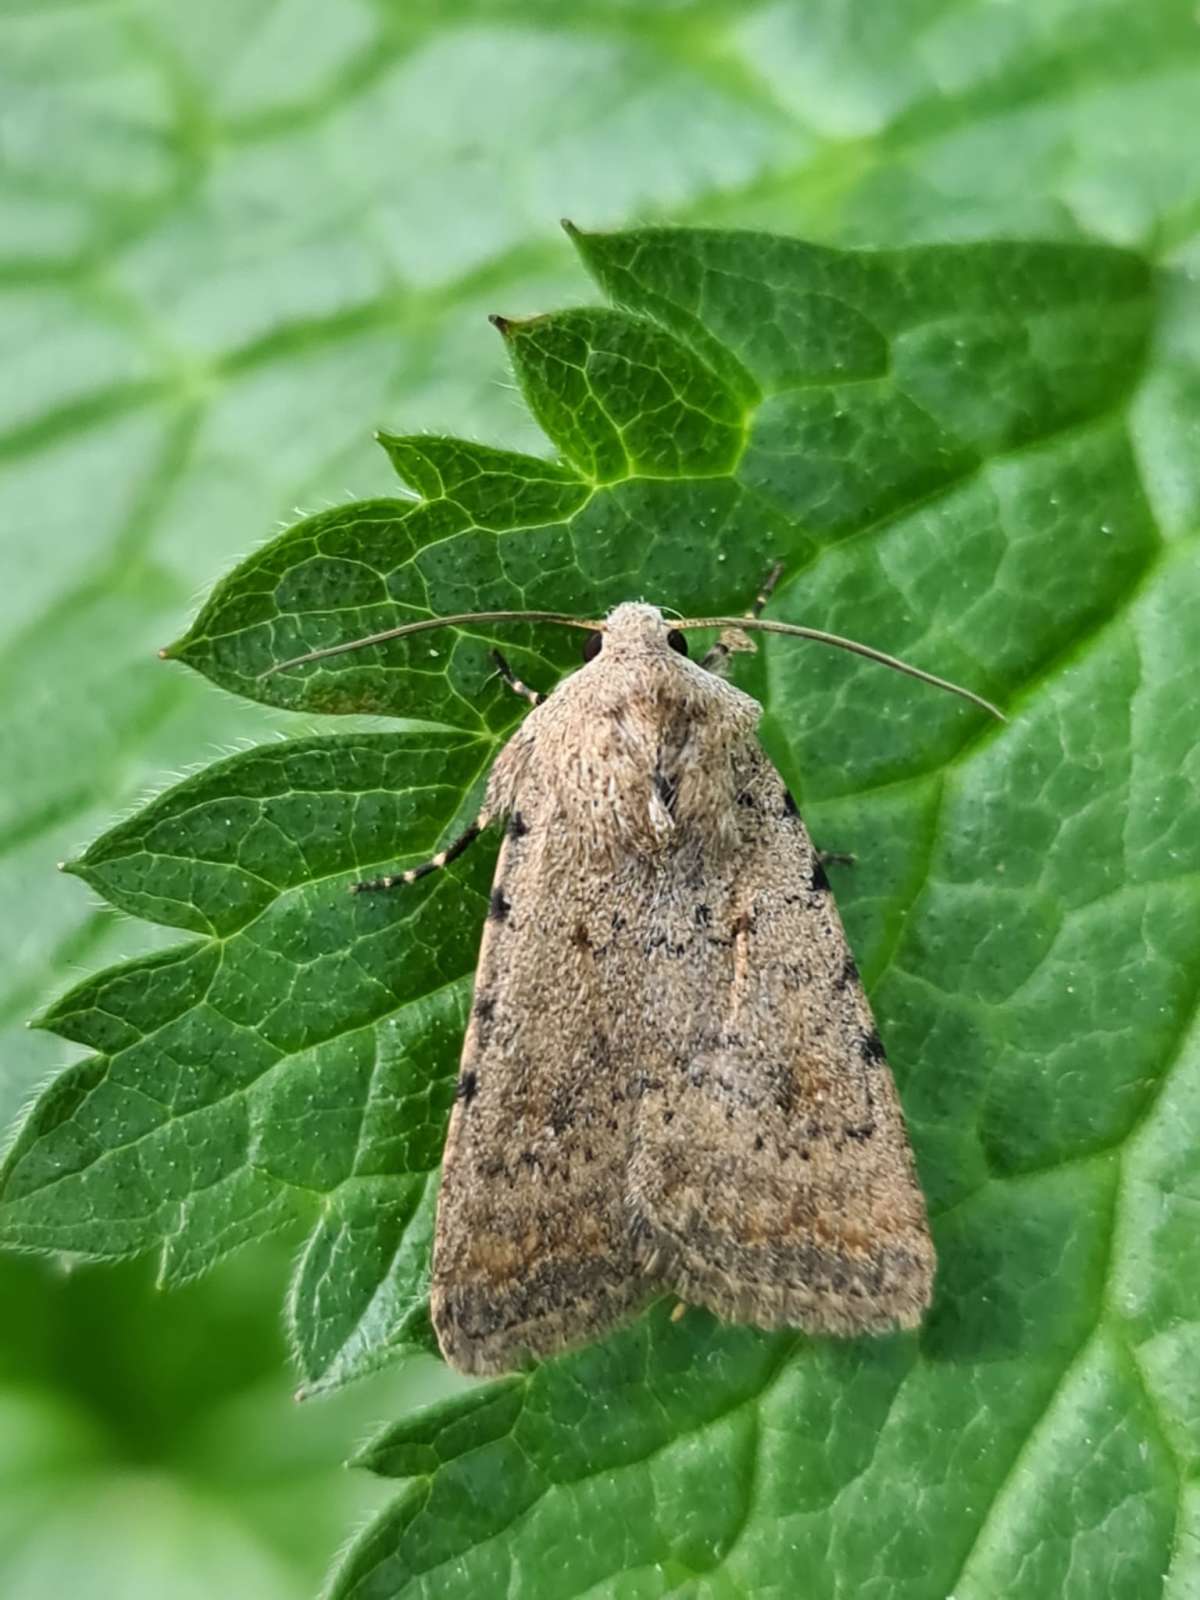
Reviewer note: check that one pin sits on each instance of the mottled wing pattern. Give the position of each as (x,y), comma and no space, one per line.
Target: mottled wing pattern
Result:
(533,1249)
(671,1078)
(771,1177)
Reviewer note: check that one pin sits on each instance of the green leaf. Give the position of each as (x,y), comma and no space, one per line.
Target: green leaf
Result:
(937,442)
(622,399)
(295,1062)
(254,232)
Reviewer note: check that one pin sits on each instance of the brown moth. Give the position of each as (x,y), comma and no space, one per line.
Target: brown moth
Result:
(671,1080)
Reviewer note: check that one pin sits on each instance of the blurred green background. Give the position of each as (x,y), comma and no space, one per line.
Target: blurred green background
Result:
(235,238)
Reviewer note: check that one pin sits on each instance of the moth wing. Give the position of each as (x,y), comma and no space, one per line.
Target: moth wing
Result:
(533,1251)
(771,1167)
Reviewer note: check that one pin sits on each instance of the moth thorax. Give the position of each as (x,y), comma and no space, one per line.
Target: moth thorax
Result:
(649,783)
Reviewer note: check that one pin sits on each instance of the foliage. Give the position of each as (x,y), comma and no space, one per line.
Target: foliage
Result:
(974,455)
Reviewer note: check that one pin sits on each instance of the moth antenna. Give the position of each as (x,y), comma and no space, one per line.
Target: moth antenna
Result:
(765,625)
(424,626)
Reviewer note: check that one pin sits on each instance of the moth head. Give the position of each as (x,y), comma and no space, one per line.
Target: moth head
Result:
(636,629)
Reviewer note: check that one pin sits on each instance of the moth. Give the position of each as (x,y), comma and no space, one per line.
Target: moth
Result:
(671,1080)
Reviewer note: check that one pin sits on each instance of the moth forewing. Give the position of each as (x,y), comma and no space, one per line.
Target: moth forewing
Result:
(534,1251)
(771,1169)
(671,1080)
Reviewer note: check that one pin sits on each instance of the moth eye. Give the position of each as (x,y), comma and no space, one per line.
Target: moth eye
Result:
(677,642)
(591,646)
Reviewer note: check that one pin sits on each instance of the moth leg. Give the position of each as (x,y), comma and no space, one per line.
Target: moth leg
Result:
(764,593)
(836,858)
(731,639)
(442,859)
(514,683)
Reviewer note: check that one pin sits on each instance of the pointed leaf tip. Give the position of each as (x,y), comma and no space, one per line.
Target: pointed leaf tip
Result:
(501,324)
(39,1022)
